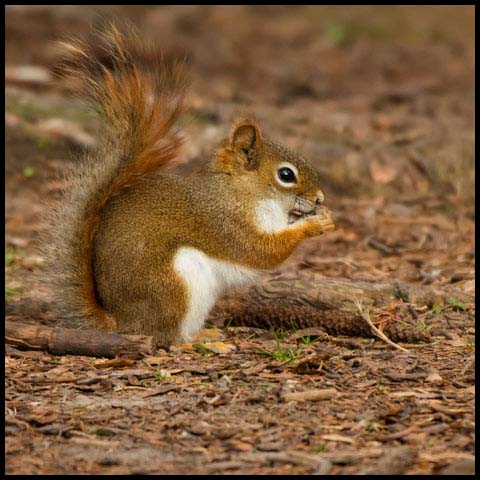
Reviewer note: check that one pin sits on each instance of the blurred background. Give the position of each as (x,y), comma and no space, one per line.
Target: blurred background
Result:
(380,98)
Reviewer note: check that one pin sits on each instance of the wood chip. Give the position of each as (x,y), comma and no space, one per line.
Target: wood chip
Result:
(115,362)
(434,377)
(338,438)
(239,445)
(160,390)
(156,360)
(401,434)
(55,429)
(308,332)
(408,394)
(311,395)
(438,407)
(400,377)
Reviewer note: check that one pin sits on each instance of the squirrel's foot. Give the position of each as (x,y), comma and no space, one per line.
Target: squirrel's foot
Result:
(208,335)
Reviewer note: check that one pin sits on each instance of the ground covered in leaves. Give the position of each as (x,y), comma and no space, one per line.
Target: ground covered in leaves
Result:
(381,100)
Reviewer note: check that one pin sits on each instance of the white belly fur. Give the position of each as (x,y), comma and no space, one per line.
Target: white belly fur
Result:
(206,279)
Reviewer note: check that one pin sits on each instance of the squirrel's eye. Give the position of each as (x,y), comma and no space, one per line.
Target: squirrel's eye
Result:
(286,175)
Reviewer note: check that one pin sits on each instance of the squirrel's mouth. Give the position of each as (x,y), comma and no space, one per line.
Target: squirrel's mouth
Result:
(302,208)
(305,208)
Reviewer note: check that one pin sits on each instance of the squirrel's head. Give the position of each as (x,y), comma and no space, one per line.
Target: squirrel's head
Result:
(285,186)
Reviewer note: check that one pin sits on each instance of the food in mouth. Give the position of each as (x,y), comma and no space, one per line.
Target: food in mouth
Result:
(304,208)
(295,215)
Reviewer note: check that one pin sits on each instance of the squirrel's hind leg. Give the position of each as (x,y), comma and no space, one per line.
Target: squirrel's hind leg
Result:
(156,307)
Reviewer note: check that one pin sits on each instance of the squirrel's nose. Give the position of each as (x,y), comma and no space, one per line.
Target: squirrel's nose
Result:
(320,198)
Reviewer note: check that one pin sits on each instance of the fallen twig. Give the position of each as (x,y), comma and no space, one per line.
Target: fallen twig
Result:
(67,341)
(379,333)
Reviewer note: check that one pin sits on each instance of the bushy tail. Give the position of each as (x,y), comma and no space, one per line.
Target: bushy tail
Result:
(139,96)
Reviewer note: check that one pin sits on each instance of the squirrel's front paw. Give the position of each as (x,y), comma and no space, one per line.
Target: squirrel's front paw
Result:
(319,223)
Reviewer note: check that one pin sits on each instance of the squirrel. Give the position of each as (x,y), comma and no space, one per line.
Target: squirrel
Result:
(137,249)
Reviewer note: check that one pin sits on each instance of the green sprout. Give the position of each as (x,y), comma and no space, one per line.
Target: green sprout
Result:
(455,304)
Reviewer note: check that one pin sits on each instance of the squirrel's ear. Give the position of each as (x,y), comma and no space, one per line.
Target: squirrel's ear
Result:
(247,139)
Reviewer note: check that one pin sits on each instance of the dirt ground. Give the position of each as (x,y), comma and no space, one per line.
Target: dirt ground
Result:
(381,99)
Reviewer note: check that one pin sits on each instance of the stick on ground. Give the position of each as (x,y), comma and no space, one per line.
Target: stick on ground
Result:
(68,341)
(375,330)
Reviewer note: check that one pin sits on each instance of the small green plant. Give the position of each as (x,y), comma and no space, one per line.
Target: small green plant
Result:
(161,375)
(9,257)
(436,309)
(228,324)
(455,304)
(452,304)
(382,389)
(266,384)
(202,349)
(28,172)
(339,34)
(423,326)
(9,292)
(372,426)
(279,334)
(42,143)
(284,355)
(308,340)
(321,448)
(342,34)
